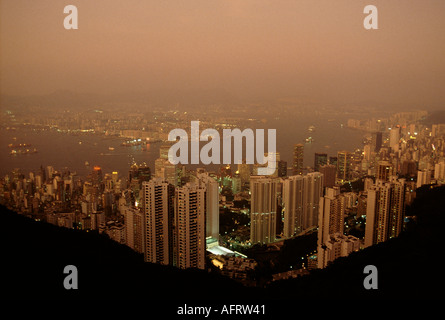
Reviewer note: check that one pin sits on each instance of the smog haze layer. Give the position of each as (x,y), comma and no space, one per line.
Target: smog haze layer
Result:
(228,50)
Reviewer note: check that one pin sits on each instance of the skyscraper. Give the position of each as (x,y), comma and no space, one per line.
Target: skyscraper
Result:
(263,209)
(167,171)
(409,167)
(367,151)
(212,204)
(329,172)
(343,165)
(312,191)
(144,173)
(301,195)
(384,170)
(97,177)
(244,173)
(423,177)
(134,228)
(320,159)
(282,168)
(385,210)
(158,210)
(292,205)
(49,173)
(439,171)
(137,175)
(394,138)
(298,154)
(190,238)
(376,141)
(331,214)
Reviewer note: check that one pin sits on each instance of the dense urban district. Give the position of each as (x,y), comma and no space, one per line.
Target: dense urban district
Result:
(230,220)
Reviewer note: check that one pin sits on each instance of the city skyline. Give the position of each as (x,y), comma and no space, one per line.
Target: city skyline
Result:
(139,128)
(175,217)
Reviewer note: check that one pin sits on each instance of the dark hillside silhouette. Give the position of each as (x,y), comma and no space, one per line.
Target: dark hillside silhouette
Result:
(34,255)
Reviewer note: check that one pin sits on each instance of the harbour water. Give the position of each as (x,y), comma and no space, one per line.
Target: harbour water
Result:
(72,151)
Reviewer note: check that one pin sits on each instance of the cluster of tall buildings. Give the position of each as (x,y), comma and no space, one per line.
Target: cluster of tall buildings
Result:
(340,168)
(172,214)
(48,191)
(401,154)
(385,210)
(283,205)
(174,222)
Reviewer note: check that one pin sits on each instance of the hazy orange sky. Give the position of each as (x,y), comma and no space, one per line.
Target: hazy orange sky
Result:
(252,48)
